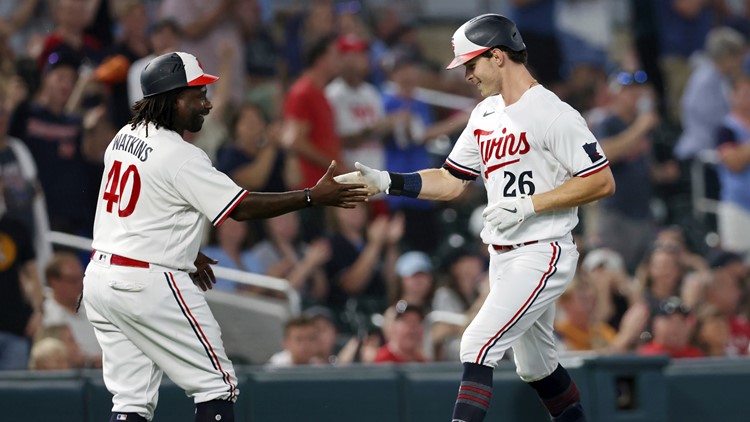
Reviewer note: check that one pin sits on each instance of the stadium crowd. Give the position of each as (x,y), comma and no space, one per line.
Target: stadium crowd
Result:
(663,84)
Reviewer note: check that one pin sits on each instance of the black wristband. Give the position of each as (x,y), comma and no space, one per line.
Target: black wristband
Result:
(308,197)
(406,184)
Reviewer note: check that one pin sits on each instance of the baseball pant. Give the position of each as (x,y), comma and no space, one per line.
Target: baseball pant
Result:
(151,321)
(519,311)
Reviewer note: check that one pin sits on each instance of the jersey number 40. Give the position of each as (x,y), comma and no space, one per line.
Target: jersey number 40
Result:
(115,192)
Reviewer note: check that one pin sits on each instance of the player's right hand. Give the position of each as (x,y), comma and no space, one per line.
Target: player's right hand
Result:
(330,191)
(376,180)
(508,212)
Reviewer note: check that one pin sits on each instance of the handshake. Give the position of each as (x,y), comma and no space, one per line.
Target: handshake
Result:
(376,180)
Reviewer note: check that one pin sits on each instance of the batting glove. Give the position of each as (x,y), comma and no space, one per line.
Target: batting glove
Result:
(376,180)
(509,212)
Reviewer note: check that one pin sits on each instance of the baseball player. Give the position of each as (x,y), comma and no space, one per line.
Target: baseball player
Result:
(539,162)
(142,288)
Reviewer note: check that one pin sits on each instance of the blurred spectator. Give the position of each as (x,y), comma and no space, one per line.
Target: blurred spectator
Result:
(712,333)
(71,18)
(310,124)
(584,29)
(625,223)
(672,328)
(61,148)
(75,357)
(24,198)
(254,158)
(660,277)
(304,27)
(21,21)
(132,44)
(673,238)
(207,25)
(733,147)
(464,278)
(616,292)
(261,58)
(416,280)
(406,149)
(725,293)
(403,328)
(49,354)
(164,37)
(21,300)
(358,108)
(283,254)
(362,268)
(645,29)
(580,327)
(300,343)
(214,132)
(682,29)
(386,24)
(64,274)
(706,100)
(537,18)
(231,250)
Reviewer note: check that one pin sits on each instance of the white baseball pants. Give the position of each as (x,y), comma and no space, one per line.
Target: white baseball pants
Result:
(519,311)
(154,320)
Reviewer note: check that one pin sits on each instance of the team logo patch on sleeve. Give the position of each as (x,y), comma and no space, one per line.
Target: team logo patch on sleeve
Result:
(592,152)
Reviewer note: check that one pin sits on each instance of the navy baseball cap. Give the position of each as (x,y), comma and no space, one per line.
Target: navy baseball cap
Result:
(172,71)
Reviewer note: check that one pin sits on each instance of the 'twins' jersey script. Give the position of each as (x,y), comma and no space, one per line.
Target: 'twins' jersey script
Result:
(527,148)
(155,195)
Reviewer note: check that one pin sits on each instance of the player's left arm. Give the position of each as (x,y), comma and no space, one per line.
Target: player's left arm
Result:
(576,191)
(436,184)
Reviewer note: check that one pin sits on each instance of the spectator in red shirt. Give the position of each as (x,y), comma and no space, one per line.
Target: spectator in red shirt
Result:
(404,332)
(672,330)
(309,125)
(724,291)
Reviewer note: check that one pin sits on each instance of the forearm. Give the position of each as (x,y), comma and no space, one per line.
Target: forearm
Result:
(440,185)
(356,277)
(32,285)
(618,146)
(736,158)
(307,151)
(254,176)
(265,205)
(576,191)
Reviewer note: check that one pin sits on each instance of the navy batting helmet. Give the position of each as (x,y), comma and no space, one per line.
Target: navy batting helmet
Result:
(172,71)
(482,33)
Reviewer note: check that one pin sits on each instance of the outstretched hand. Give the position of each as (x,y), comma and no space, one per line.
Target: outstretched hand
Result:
(330,191)
(376,180)
(203,276)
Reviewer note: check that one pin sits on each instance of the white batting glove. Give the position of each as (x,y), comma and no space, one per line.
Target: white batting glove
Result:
(376,180)
(509,212)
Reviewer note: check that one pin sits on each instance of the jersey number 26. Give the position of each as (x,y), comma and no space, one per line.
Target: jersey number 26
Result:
(525,184)
(116,183)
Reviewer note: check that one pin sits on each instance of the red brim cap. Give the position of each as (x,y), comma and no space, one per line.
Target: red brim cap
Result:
(203,79)
(463,58)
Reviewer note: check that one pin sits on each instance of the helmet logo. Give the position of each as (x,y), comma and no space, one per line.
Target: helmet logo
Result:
(453,45)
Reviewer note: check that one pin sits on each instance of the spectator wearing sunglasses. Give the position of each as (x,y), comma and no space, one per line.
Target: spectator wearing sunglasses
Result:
(626,135)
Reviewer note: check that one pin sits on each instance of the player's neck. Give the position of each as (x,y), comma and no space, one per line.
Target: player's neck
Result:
(515,84)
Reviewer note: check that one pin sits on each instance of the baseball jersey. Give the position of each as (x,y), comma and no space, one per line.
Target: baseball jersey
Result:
(155,195)
(529,147)
(355,109)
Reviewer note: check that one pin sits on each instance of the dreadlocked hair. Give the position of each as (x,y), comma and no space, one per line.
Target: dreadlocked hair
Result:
(159,110)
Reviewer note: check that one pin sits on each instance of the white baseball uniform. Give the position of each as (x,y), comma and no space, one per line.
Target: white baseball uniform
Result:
(529,147)
(149,317)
